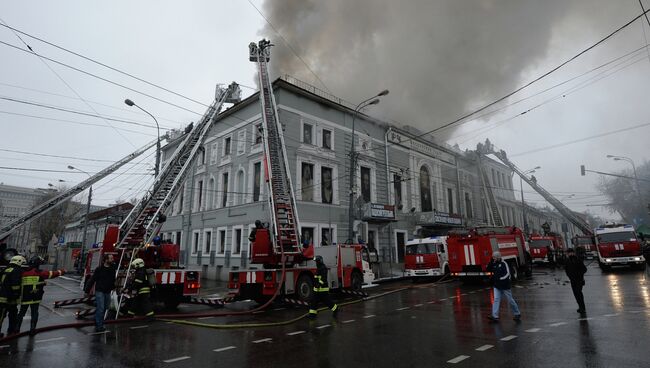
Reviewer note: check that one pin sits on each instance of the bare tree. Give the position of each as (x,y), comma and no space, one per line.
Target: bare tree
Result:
(53,222)
(624,197)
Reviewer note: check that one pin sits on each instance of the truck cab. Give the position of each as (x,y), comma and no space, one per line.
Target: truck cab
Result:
(546,249)
(426,257)
(618,245)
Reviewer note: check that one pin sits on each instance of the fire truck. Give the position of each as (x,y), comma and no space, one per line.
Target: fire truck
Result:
(617,245)
(426,257)
(547,248)
(471,250)
(587,242)
(287,267)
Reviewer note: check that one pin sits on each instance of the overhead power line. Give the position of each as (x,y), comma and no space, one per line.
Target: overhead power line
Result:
(53,171)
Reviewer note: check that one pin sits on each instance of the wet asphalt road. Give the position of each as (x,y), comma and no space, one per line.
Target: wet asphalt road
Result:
(430,325)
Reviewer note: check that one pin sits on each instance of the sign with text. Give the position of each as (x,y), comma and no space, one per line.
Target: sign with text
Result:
(439,218)
(377,211)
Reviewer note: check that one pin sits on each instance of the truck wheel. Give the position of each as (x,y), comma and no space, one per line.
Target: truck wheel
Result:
(356,281)
(604,267)
(305,288)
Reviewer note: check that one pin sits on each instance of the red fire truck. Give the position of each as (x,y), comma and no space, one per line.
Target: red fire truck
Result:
(587,242)
(617,245)
(174,284)
(471,250)
(426,257)
(540,245)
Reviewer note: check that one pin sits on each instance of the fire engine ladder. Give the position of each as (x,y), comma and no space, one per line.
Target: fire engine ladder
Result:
(47,206)
(283,207)
(576,220)
(494,215)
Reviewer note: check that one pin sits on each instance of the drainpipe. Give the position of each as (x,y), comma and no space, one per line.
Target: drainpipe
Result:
(388,183)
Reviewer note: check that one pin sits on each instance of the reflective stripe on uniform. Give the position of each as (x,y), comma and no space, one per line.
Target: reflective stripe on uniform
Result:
(321,290)
(144,290)
(335,307)
(313,311)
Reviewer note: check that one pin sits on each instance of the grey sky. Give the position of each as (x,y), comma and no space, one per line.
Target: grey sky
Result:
(439,59)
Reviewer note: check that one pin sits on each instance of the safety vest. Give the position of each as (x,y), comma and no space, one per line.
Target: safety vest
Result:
(320,285)
(141,282)
(33,284)
(10,285)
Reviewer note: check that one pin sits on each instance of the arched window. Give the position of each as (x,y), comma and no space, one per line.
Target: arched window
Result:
(425,190)
(240,188)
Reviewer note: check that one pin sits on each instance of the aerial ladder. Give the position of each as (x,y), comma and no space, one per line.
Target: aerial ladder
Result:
(284,212)
(52,203)
(494,214)
(488,148)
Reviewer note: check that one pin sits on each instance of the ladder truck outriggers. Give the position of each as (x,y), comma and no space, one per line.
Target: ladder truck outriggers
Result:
(288,268)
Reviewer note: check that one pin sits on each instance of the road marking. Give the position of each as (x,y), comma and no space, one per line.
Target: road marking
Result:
(418,305)
(369,316)
(137,327)
(348,321)
(611,315)
(297,332)
(268,339)
(323,326)
(205,317)
(443,299)
(258,312)
(458,359)
(472,292)
(534,330)
(433,301)
(519,286)
(484,347)
(52,339)
(224,349)
(508,338)
(585,319)
(403,308)
(557,324)
(279,309)
(176,359)
(98,333)
(637,311)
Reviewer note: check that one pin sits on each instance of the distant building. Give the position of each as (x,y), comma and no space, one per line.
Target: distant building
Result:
(15,202)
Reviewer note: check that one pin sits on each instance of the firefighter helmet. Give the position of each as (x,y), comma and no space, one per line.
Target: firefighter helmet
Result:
(18,260)
(318,259)
(137,263)
(36,261)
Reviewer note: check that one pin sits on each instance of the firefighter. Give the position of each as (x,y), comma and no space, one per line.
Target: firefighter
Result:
(321,290)
(33,284)
(140,285)
(10,284)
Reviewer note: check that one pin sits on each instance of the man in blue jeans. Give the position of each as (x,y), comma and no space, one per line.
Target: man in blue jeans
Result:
(501,280)
(103,279)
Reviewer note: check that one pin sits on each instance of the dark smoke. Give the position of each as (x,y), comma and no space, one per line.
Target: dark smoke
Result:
(439,58)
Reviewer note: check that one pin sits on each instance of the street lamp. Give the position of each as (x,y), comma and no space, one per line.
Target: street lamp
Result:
(523,204)
(83,241)
(353,156)
(131,103)
(636,178)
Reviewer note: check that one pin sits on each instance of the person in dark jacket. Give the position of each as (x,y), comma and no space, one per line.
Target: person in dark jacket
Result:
(10,287)
(33,285)
(576,270)
(140,285)
(501,281)
(321,290)
(103,279)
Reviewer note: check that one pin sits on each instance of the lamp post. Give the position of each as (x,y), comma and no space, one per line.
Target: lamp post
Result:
(523,204)
(83,241)
(353,157)
(131,103)
(636,178)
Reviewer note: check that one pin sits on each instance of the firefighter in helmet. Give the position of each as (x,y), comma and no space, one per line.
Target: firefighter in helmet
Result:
(10,284)
(141,302)
(33,284)
(321,290)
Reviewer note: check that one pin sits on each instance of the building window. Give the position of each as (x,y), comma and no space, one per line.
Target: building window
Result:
(365,184)
(468,206)
(307,182)
(222,241)
(397,190)
(258,133)
(425,190)
(213,154)
(308,235)
(195,242)
(179,239)
(327,193)
(237,241)
(327,139)
(208,242)
(201,159)
(224,187)
(180,200)
(199,197)
(257,177)
(307,132)
(226,146)
(450,200)
(210,195)
(326,236)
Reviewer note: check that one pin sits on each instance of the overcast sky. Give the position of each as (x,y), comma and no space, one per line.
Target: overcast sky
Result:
(440,59)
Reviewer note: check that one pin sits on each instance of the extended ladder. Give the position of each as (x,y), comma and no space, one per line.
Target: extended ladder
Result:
(576,220)
(494,214)
(283,208)
(68,194)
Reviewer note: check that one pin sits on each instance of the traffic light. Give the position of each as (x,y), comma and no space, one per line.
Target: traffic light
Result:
(582,170)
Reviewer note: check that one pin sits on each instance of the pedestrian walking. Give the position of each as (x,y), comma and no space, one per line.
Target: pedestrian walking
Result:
(321,290)
(33,288)
(501,282)
(576,270)
(140,285)
(10,283)
(103,279)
